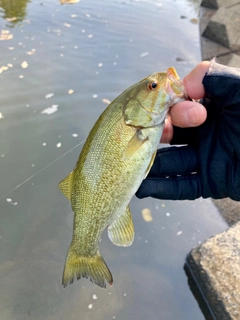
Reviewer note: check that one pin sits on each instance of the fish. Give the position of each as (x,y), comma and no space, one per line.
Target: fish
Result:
(117,155)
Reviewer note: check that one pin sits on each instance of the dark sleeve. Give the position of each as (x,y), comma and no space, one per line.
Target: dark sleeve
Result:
(217,140)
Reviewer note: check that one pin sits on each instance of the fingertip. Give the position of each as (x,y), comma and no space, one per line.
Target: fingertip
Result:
(188,114)
(193,81)
(167,134)
(195,115)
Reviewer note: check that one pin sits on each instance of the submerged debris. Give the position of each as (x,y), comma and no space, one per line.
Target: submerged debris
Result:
(24,64)
(49,95)
(69,1)
(11,19)
(146,214)
(31,52)
(5,35)
(104,100)
(144,54)
(51,109)
(194,21)
(3,68)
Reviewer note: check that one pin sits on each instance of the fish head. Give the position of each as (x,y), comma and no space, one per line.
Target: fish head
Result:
(148,101)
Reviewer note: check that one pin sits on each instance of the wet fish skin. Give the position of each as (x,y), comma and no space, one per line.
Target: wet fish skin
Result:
(114,160)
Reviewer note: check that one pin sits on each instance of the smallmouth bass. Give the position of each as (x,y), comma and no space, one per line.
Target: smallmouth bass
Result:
(114,160)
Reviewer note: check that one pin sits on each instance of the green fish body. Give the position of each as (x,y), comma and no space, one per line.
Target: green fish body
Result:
(114,160)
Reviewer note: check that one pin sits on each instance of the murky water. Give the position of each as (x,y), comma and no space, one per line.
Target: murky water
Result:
(59,65)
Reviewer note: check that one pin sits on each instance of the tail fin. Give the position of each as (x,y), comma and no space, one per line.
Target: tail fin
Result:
(93,267)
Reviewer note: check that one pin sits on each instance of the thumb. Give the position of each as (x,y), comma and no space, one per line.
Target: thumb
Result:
(193,81)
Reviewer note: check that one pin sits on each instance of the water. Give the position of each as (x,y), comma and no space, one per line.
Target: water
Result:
(61,64)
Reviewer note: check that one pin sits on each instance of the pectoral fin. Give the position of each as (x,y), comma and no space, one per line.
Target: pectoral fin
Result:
(121,231)
(134,145)
(66,186)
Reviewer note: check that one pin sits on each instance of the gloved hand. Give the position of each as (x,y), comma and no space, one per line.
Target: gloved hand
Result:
(209,164)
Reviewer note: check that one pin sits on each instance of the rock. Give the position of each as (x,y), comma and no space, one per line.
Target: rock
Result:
(215,4)
(229,209)
(231,60)
(224,27)
(215,266)
(210,4)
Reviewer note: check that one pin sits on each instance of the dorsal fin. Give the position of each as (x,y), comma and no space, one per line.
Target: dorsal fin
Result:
(66,186)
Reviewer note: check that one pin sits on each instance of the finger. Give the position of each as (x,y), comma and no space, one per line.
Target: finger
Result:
(193,81)
(174,161)
(177,188)
(183,114)
(167,134)
(187,114)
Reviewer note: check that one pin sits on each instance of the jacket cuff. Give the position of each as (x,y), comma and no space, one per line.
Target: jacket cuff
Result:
(222,84)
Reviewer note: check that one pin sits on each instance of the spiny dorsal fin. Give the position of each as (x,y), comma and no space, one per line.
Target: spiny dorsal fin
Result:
(121,231)
(66,186)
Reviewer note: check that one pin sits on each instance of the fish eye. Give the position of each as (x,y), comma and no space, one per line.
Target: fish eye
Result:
(152,85)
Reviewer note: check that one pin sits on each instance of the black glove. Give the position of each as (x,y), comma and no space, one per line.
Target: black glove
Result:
(209,165)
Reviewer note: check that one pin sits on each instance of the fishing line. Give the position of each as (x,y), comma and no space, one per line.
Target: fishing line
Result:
(35,174)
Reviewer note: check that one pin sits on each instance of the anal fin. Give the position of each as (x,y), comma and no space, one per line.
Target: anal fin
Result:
(121,231)
(66,186)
